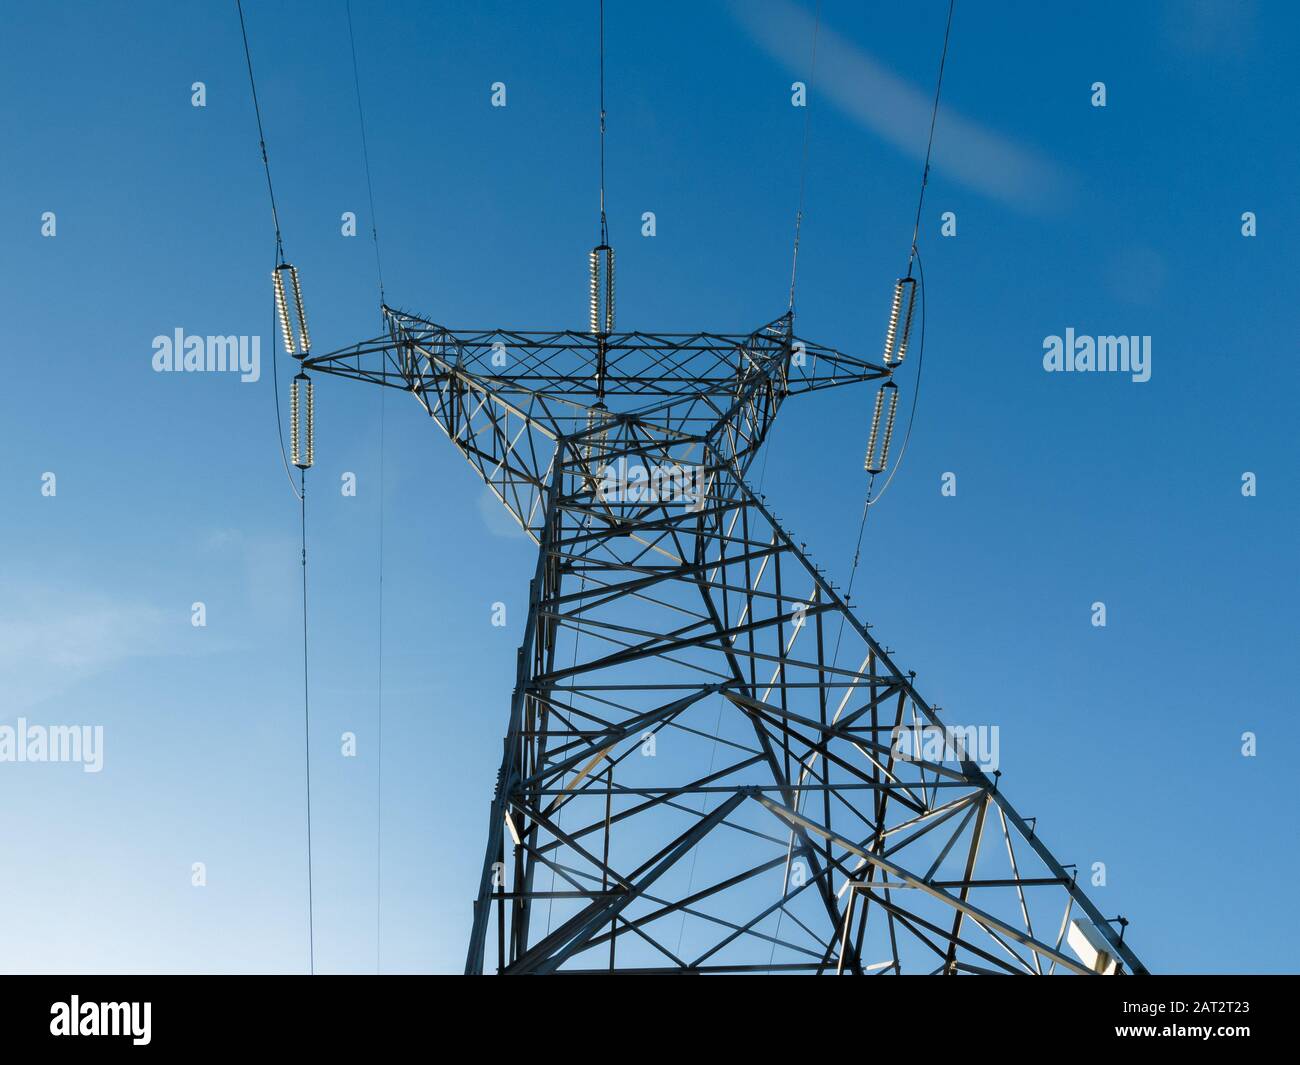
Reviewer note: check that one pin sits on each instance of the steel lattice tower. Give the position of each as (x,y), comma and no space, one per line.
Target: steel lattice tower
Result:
(699,772)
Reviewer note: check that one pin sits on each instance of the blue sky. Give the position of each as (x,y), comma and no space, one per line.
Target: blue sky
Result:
(1124,741)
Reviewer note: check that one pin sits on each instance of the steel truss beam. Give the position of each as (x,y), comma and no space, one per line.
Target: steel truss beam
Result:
(700,770)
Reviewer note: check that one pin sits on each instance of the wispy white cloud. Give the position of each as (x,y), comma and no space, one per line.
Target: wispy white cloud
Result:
(53,639)
(872,95)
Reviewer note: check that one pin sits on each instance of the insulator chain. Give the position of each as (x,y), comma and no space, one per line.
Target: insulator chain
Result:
(876,462)
(594,447)
(302,446)
(601,260)
(298,346)
(311,424)
(896,343)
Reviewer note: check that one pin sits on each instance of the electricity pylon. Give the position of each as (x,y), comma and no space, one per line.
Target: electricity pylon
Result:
(710,764)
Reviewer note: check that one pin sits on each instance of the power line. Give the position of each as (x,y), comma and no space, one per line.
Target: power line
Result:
(261,137)
(604,227)
(300,492)
(379,693)
(914,255)
(803,166)
(306,720)
(365,155)
(379,714)
(934,114)
(279,242)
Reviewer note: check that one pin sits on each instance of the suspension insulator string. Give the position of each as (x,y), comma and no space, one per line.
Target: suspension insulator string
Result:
(304,335)
(282,310)
(896,343)
(884,447)
(871,440)
(875,462)
(916,392)
(609,290)
(600,308)
(311,426)
(593,449)
(303,445)
(298,346)
(295,450)
(275,385)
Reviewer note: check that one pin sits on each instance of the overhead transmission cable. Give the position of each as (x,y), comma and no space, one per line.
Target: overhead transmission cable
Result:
(896,339)
(379,695)
(794,273)
(302,444)
(798,214)
(915,255)
(279,245)
(365,156)
(803,165)
(929,145)
(598,323)
(604,226)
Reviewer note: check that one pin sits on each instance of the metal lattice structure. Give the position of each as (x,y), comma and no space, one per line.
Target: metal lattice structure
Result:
(701,770)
